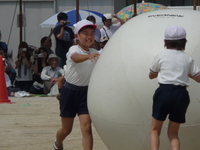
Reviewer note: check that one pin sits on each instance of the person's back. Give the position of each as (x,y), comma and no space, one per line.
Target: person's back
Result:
(173,68)
(175,65)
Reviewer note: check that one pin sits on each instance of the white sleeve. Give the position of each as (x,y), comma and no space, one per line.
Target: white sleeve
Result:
(194,69)
(44,75)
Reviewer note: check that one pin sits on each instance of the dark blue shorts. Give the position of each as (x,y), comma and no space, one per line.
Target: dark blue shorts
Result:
(170,100)
(73,100)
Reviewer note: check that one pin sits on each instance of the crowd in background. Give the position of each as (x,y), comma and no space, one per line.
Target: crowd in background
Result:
(29,72)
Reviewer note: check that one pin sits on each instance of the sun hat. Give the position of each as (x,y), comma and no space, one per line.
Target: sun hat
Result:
(108,16)
(83,23)
(52,56)
(175,32)
(103,39)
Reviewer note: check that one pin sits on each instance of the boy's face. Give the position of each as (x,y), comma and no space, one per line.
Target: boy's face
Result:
(85,37)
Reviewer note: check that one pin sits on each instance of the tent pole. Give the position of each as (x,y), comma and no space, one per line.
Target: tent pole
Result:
(77,10)
(20,21)
(135,8)
(195,5)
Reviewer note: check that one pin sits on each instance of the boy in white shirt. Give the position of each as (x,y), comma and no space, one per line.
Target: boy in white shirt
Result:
(172,66)
(81,60)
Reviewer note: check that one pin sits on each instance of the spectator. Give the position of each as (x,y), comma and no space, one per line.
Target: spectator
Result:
(46,43)
(3,45)
(64,38)
(103,42)
(7,79)
(23,68)
(108,28)
(40,61)
(51,74)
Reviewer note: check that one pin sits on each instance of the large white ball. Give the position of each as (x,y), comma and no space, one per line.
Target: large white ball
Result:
(120,92)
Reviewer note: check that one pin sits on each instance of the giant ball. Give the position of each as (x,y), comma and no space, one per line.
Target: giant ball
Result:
(120,92)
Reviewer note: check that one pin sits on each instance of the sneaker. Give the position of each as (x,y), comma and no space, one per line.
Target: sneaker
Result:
(18,94)
(24,93)
(57,147)
(58,97)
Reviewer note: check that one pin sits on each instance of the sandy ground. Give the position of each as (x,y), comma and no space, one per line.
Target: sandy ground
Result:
(31,123)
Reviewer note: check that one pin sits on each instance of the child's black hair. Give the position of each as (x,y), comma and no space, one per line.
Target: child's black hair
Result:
(91,18)
(176,44)
(62,16)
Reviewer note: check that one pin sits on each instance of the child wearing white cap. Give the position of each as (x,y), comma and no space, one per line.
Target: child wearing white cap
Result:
(81,60)
(172,67)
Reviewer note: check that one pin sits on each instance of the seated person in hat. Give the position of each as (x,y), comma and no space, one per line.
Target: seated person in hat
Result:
(103,42)
(108,28)
(52,74)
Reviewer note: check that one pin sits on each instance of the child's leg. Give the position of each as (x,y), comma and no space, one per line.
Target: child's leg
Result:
(86,129)
(173,135)
(64,131)
(156,127)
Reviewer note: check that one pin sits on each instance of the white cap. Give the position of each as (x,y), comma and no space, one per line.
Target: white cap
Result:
(175,32)
(108,16)
(52,56)
(83,23)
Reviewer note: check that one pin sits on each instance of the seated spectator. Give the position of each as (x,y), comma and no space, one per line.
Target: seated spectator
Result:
(40,61)
(51,74)
(7,79)
(103,42)
(11,90)
(12,72)
(46,43)
(3,45)
(23,68)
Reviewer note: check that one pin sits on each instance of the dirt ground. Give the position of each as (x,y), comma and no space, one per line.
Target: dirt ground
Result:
(31,123)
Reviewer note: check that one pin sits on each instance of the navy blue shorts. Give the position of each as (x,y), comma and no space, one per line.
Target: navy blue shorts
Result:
(170,100)
(73,100)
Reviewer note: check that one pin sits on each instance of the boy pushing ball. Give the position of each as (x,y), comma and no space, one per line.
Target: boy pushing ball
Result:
(173,67)
(81,60)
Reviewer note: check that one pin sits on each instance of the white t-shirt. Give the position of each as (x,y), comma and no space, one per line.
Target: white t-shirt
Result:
(173,67)
(79,73)
(106,31)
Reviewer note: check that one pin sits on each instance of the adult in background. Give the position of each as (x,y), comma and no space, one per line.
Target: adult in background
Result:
(40,61)
(51,74)
(108,28)
(64,38)
(23,68)
(46,42)
(3,45)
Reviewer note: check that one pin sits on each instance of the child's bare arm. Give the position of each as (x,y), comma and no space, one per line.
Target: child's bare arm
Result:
(197,78)
(78,58)
(153,75)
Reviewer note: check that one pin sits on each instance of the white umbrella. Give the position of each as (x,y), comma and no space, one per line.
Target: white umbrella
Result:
(52,21)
